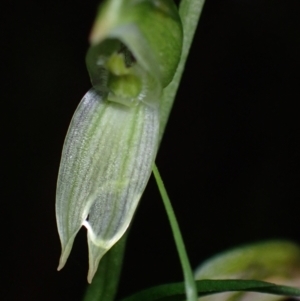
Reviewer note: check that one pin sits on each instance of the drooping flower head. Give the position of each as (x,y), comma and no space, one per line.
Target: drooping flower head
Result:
(112,140)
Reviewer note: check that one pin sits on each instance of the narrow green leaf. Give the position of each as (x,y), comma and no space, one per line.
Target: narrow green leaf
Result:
(176,291)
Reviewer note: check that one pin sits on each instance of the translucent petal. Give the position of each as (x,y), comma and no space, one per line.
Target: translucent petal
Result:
(106,163)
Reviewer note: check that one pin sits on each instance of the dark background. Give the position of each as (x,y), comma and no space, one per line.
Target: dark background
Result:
(229,157)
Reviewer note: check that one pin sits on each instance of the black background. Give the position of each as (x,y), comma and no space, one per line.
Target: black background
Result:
(229,157)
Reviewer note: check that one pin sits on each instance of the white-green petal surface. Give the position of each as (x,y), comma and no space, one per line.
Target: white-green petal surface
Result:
(106,163)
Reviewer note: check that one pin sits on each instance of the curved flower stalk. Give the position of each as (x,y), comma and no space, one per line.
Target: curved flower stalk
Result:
(112,140)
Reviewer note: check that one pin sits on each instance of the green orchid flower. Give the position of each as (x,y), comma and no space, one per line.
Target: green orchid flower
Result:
(112,140)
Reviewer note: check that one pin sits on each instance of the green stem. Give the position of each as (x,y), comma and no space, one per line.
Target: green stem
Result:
(190,12)
(190,284)
(106,279)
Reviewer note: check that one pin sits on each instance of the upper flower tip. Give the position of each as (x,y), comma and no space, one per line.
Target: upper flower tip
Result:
(105,21)
(98,32)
